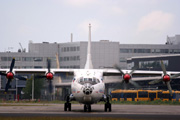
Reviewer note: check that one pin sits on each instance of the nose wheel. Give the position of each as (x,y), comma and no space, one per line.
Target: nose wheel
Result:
(87,107)
(67,106)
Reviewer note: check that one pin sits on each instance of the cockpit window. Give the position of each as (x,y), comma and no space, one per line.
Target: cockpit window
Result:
(92,81)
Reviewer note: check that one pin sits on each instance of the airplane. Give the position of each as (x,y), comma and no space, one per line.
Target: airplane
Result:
(88,86)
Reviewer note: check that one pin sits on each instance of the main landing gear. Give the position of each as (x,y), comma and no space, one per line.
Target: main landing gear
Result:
(67,105)
(87,107)
(107,105)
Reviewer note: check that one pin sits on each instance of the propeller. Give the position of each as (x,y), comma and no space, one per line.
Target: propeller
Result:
(10,75)
(166,78)
(127,77)
(49,75)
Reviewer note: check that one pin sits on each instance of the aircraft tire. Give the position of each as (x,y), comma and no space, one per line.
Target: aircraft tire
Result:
(105,107)
(89,108)
(109,107)
(69,106)
(65,106)
(85,108)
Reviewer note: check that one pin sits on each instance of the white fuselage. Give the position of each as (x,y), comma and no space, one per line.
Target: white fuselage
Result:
(87,86)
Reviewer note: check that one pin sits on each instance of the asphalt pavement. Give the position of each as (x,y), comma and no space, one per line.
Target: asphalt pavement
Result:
(145,112)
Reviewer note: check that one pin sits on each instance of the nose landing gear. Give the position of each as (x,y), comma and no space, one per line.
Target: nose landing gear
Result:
(87,107)
(67,105)
(107,105)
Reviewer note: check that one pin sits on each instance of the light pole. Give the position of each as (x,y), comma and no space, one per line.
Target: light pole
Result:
(33,82)
(16,90)
(34,59)
(32,87)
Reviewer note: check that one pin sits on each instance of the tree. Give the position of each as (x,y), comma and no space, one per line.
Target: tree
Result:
(38,85)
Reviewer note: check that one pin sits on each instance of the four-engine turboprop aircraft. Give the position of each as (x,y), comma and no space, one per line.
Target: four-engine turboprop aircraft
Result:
(87,86)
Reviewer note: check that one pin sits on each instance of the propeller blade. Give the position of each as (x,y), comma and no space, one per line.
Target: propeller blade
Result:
(12,64)
(3,74)
(118,68)
(169,87)
(7,85)
(163,67)
(125,86)
(155,81)
(20,77)
(132,71)
(134,83)
(175,76)
(50,86)
(48,65)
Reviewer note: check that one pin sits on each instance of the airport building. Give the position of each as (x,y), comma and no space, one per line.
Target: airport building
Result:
(105,54)
(153,62)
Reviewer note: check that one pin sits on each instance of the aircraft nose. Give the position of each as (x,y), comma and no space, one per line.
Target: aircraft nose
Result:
(87,89)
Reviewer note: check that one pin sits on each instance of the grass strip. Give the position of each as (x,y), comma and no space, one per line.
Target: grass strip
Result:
(156,102)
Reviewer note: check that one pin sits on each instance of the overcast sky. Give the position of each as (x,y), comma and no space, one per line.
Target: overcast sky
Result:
(125,21)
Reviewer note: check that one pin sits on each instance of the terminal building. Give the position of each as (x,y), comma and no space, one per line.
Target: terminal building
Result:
(105,54)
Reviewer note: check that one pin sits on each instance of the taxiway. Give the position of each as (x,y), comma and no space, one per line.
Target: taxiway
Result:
(147,112)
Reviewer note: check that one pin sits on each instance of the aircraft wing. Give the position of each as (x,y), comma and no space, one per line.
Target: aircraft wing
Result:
(137,73)
(106,72)
(115,76)
(38,71)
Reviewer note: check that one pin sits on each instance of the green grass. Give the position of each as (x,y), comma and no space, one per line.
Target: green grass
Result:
(156,102)
(41,102)
(61,118)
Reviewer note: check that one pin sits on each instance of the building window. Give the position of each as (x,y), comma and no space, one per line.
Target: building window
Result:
(6,58)
(122,60)
(171,51)
(78,49)
(74,48)
(152,64)
(27,59)
(38,67)
(72,66)
(142,51)
(70,58)
(18,59)
(62,49)
(156,51)
(78,57)
(67,49)
(5,67)
(125,50)
(37,59)
(177,51)
(26,67)
(164,51)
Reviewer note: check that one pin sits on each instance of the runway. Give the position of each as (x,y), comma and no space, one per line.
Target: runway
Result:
(146,112)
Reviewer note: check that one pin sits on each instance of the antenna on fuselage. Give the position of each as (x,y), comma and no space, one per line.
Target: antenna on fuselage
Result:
(88,64)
